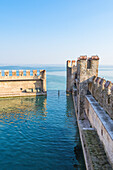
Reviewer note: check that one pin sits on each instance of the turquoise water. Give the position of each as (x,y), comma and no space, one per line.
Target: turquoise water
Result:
(40,132)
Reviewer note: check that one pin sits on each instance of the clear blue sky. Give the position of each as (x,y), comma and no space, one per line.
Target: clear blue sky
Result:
(52,31)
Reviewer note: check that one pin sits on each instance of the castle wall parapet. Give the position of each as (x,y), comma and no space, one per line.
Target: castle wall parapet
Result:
(102,92)
(17,83)
(86,76)
(19,74)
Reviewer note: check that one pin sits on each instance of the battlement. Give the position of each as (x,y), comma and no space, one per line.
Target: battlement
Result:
(89,61)
(16,74)
(22,83)
(103,84)
(87,67)
(102,91)
(71,63)
(43,74)
(88,58)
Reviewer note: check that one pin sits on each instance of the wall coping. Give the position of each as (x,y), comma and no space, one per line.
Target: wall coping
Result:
(102,115)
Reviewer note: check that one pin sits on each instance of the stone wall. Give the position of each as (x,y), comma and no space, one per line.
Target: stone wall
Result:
(85,79)
(87,69)
(80,76)
(22,85)
(71,74)
(93,97)
(102,122)
(102,91)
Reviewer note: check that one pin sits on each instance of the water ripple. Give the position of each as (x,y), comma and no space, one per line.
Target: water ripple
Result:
(39,133)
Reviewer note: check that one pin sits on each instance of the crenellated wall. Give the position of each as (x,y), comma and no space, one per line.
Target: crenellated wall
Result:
(93,99)
(85,78)
(87,68)
(22,85)
(18,74)
(102,91)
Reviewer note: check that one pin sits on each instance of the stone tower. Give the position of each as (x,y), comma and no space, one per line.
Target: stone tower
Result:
(43,76)
(81,76)
(71,70)
(87,69)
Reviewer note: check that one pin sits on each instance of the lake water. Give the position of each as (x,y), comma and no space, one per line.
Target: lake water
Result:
(41,132)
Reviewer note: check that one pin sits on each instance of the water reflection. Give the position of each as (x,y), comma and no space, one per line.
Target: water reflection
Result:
(12,109)
(39,133)
(77,149)
(69,106)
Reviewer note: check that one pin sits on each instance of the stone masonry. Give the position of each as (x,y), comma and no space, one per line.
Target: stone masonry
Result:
(83,73)
(22,85)
(93,98)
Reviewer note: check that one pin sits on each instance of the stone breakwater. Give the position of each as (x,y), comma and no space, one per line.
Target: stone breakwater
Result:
(93,101)
(22,85)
